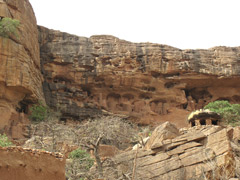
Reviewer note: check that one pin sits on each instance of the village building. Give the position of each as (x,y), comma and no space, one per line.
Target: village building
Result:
(203,117)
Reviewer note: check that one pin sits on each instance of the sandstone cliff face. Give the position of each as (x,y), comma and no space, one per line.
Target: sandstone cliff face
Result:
(149,82)
(204,152)
(27,164)
(20,76)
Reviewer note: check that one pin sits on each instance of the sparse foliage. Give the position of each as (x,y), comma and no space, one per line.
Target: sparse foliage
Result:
(4,141)
(88,136)
(229,112)
(8,27)
(106,130)
(79,165)
(39,112)
(112,130)
(47,132)
(83,158)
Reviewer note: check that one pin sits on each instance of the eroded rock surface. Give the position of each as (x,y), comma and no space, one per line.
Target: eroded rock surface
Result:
(28,164)
(203,152)
(20,75)
(149,82)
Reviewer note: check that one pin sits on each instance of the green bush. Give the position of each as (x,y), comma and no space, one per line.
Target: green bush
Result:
(39,112)
(8,27)
(82,157)
(4,142)
(230,113)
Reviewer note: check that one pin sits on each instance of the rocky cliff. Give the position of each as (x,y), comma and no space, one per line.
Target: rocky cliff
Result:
(148,82)
(20,76)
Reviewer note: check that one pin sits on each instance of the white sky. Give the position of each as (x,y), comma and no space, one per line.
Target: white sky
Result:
(179,23)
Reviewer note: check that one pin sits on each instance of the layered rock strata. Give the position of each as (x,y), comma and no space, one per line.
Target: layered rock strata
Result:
(148,82)
(203,152)
(28,164)
(20,76)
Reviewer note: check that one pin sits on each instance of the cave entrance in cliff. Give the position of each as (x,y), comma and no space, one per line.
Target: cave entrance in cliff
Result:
(22,107)
(224,99)
(187,92)
(197,98)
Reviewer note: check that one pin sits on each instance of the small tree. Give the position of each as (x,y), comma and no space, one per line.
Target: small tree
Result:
(80,164)
(87,135)
(106,130)
(229,112)
(8,27)
(46,125)
(4,141)
(39,112)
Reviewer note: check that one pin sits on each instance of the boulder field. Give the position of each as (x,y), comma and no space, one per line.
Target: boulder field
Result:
(200,152)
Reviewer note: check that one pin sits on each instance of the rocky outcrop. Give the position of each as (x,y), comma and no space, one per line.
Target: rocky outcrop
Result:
(203,152)
(148,82)
(20,76)
(29,164)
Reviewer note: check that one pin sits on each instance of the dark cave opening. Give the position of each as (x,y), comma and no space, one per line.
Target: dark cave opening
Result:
(60,79)
(22,107)
(169,85)
(184,106)
(198,97)
(224,99)
(187,92)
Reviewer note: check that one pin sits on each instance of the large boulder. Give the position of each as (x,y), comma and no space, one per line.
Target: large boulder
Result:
(166,131)
(199,152)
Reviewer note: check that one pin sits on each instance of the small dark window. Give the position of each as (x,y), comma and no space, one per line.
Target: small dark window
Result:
(193,123)
(203,122)
(214,122)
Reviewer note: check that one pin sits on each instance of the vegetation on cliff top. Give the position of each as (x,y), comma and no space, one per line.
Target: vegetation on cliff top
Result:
(230,113)
(8,27)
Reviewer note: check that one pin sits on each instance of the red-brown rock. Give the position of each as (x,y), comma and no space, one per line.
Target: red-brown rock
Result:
(20,76)
(204,151)
(151,83)
(27,164)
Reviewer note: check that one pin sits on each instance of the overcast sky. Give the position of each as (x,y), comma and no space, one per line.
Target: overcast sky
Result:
(180,23)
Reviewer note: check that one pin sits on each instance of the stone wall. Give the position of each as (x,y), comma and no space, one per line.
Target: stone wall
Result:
(27,164)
